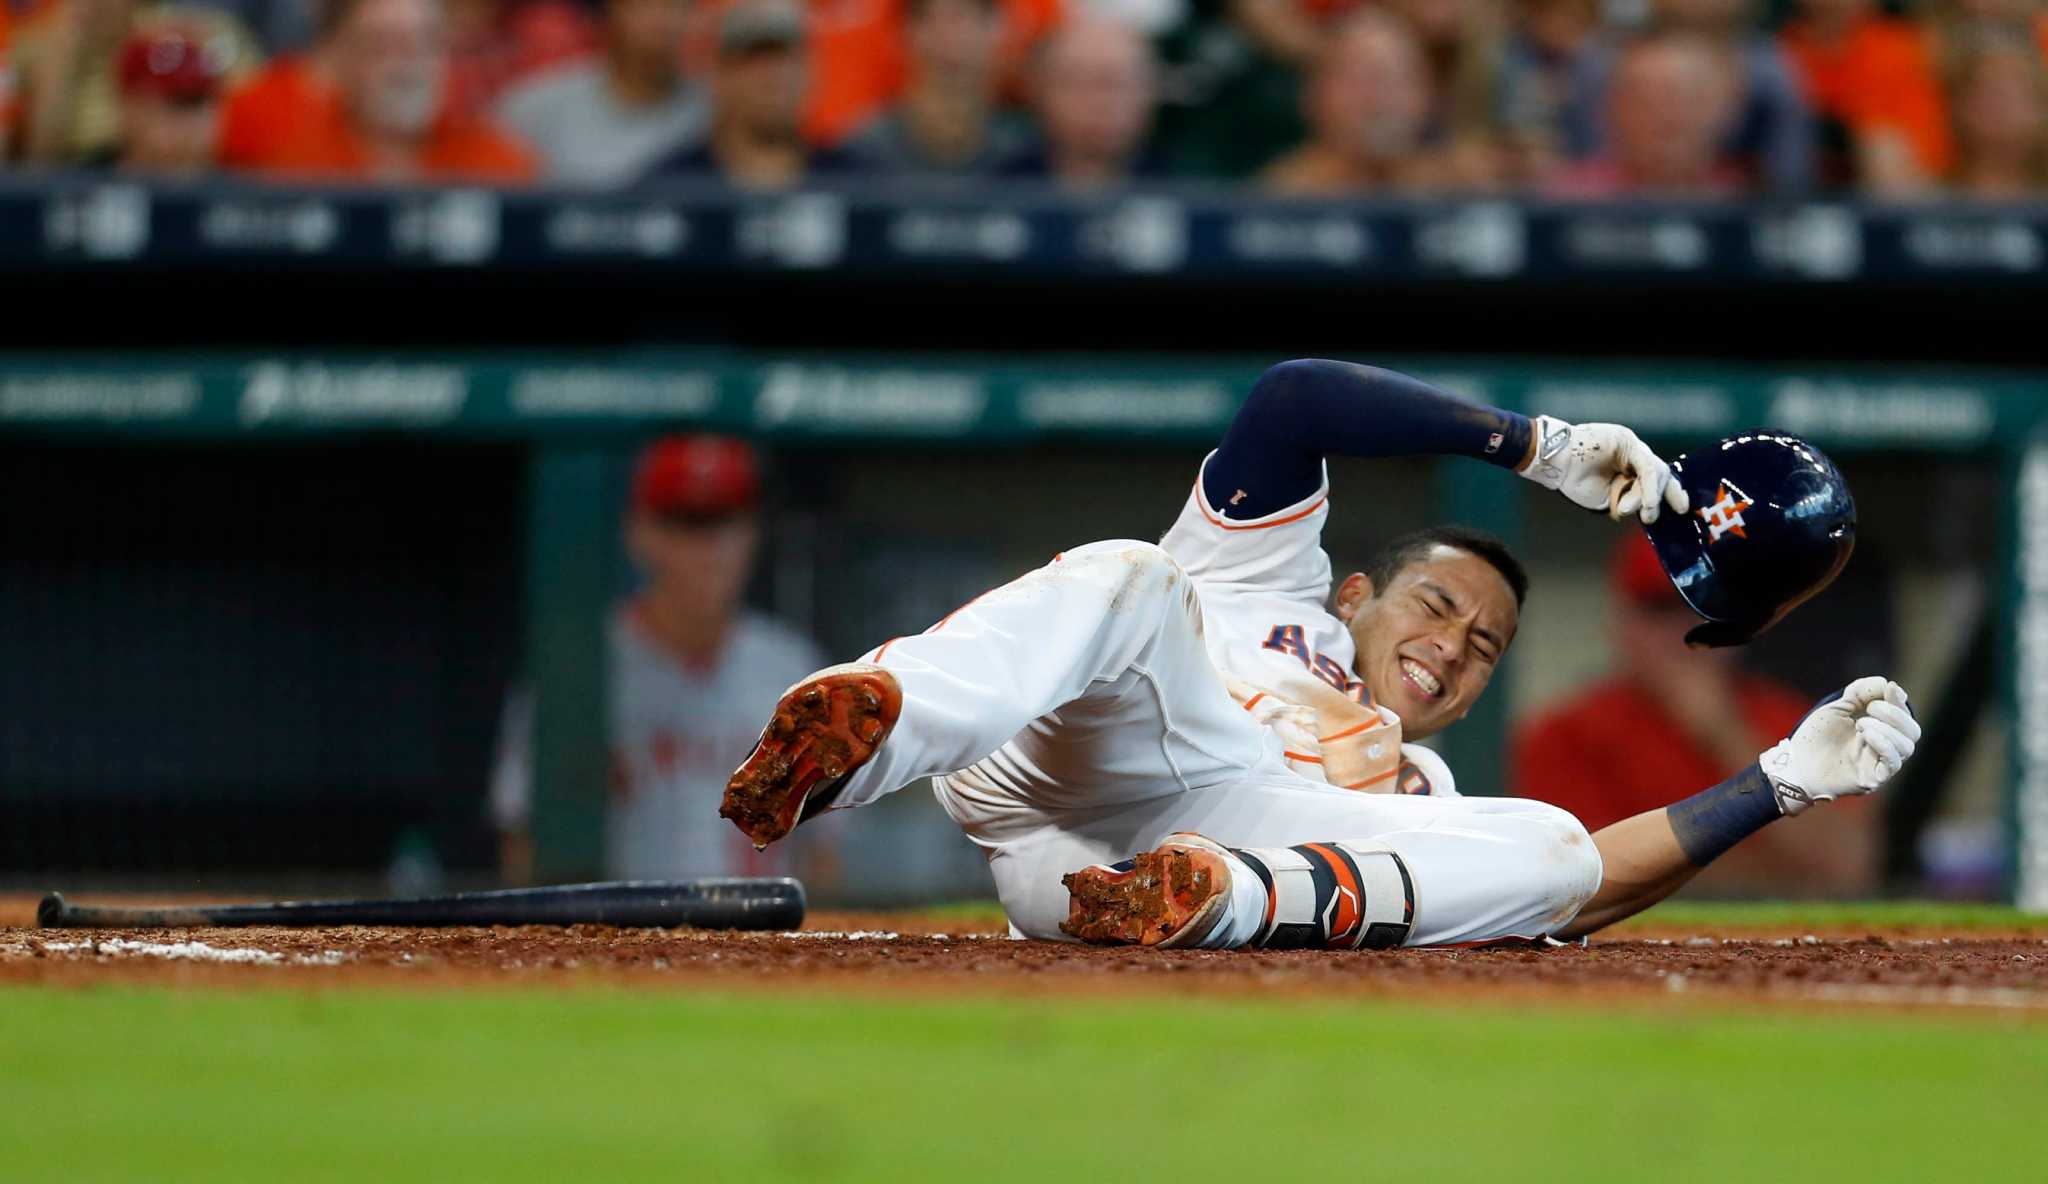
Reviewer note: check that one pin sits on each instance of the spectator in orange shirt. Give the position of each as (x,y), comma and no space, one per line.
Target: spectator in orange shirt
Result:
(292,92)
(2001,107)
(856,64)
(387,122)
(1673,716)
(1871,81)
(1669,106)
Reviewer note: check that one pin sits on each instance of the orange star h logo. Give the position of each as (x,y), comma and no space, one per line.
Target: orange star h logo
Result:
(1725,515)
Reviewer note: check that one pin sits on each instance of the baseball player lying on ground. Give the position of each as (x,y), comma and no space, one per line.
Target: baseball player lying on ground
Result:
(1190,744)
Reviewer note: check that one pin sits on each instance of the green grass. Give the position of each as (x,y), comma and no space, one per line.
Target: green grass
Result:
(601,1084)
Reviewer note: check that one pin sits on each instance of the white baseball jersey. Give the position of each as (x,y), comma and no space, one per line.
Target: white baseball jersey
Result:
(1264,586)
(677,731)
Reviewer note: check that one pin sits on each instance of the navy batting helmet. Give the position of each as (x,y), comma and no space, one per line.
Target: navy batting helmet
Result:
(1771,524)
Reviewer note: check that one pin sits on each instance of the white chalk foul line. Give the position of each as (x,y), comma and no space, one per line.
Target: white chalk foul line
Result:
(188,951)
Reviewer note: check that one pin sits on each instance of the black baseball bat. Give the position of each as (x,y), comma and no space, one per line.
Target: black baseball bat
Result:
(711,903)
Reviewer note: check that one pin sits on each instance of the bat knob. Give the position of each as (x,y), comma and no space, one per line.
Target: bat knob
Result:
(50,913)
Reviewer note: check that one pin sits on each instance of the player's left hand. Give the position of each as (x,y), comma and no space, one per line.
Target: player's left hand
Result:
(1850,744)
(1603,466)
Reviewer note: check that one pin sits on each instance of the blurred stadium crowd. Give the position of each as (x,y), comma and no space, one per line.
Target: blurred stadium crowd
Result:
(1564,98)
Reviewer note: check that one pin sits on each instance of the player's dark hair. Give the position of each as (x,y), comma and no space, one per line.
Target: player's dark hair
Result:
(1394,558)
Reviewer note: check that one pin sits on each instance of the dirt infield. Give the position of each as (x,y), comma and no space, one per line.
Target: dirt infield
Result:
(1903,967)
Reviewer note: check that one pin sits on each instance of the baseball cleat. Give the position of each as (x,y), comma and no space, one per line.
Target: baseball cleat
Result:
(824,728)
(1171,897)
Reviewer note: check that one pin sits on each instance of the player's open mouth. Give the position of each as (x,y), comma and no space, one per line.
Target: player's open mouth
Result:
(1418,674)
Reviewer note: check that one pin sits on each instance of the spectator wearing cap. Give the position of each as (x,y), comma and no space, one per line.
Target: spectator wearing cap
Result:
(1871,80)
(758,83)
(692,671)
(1769,139)
(66,61)
(606,122)
(1671,716)
(1366,99)
(1669,106)
(385,68)
(946,124)
(1094,85)
(171,87)
(2000,100)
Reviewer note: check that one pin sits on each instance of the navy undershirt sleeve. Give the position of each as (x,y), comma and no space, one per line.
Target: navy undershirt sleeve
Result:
(1711,821)
(1302,411)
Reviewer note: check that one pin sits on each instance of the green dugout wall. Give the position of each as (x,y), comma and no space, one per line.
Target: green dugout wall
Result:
(578,414)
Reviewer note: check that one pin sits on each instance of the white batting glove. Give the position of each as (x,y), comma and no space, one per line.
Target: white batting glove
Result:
(1603,466)
(1848,746)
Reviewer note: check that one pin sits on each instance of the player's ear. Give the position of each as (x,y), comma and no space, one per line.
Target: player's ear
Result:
(1354,591)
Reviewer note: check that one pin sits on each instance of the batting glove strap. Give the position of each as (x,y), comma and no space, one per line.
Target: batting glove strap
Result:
(1553,441)
(1331,896)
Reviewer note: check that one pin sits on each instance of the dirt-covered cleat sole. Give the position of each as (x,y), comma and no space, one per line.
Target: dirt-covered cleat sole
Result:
(824,728)
(1171,897)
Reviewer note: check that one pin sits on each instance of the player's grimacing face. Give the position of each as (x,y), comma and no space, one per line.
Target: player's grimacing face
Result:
(1429,641)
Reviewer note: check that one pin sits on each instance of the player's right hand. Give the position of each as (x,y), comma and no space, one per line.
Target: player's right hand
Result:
(1850,744)
(1603,466)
